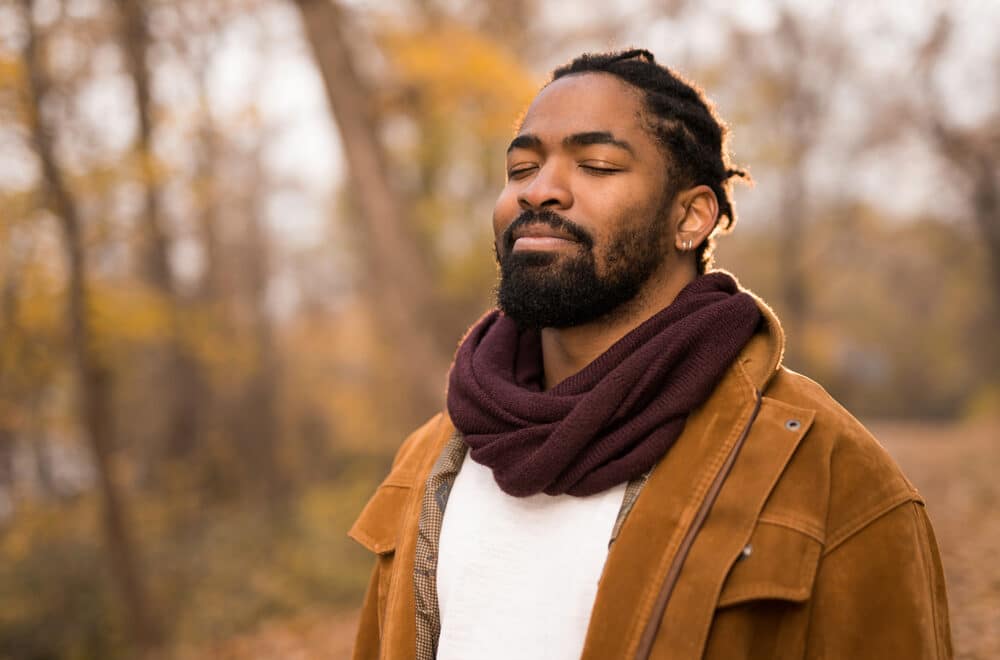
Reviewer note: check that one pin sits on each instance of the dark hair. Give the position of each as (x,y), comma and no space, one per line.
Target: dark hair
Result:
(683,120)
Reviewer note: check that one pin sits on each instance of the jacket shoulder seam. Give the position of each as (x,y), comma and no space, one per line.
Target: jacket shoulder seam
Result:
(867,517)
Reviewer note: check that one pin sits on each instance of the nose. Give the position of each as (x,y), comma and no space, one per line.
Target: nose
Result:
(547,189)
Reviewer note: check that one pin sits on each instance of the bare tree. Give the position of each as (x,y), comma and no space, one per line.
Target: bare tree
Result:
(259,426)
(136,42)
(11,337)
(973,154)
(974,151)
(93,378)
(402,284)
(181,371)
(793,95)
(24,373)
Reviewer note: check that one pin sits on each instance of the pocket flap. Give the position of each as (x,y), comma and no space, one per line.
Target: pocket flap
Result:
(779,563)
(380,522)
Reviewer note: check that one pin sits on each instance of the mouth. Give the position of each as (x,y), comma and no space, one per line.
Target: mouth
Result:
(537,236)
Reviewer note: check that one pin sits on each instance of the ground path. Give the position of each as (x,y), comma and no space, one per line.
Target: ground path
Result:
(957,470)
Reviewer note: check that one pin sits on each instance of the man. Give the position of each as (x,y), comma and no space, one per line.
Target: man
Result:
(625,469)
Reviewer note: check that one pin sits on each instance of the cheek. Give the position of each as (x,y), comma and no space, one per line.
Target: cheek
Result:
(628,227)
(505,211)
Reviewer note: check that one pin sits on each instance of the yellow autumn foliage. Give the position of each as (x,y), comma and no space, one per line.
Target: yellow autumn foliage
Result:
(228,355)
(11,70)
(461,73)
(331,365)
(128,313)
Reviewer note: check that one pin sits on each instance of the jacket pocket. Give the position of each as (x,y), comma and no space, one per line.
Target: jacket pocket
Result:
(381,521)
(779,563)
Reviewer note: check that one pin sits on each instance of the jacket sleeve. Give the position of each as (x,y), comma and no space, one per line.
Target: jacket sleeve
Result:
(366,642)
(880,591)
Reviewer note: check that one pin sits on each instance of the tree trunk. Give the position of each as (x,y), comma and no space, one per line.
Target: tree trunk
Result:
(92,378)
(38,443)
(7,446)
(181,371)
(799,115)
(402,284)
(10,335)
(261,395)
(135,41)
(986,213)
(210,286)
(974,155)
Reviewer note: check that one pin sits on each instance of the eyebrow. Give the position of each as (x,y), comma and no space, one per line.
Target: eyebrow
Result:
(525,141)
(596,137)
(529,141)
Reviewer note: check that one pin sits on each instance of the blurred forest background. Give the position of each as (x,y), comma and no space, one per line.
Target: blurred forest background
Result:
(240,239)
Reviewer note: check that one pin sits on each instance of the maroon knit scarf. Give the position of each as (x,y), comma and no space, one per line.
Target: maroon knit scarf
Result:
(613,420)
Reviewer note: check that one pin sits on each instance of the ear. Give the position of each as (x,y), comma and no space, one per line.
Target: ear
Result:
(699,211)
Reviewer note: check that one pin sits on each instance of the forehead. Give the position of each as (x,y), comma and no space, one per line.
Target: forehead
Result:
(585,102)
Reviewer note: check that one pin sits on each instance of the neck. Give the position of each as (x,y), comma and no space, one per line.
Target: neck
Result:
(565,351)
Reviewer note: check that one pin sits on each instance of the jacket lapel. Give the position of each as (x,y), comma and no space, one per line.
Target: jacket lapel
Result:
(773,438)
(641,556)
(648,545)
(400,630)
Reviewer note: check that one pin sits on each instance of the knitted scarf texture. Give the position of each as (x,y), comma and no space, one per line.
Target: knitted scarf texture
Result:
(609,422)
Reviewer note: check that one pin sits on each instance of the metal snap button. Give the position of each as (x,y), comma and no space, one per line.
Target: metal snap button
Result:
(746,551)
(793,425)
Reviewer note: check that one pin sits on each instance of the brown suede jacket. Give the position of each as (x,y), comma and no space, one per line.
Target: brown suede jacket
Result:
(776,527)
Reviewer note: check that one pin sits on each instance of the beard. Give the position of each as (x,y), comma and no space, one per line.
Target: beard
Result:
(557,290)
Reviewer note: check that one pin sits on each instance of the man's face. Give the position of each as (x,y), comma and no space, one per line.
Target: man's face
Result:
(582,224)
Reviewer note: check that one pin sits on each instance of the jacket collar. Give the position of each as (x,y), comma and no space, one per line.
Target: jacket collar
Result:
(761,357)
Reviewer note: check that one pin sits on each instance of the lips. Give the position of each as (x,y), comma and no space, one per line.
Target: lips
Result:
(539,230)
(538,236)
(545,231)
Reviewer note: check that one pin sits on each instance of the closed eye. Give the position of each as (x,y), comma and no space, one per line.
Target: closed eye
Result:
(600,170)
(520,172)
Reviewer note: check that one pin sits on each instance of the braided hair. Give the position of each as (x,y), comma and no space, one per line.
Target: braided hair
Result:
(683,121)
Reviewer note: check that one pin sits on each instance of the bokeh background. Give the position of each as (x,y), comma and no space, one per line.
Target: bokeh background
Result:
(240,239)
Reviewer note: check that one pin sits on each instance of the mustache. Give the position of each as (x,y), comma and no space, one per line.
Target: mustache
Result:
(551,219)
